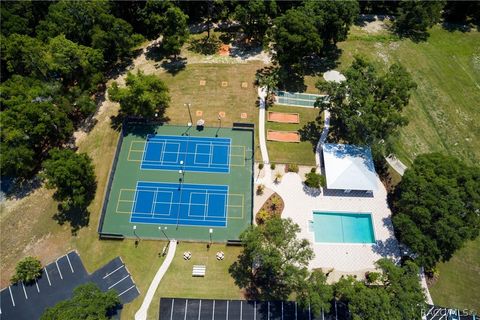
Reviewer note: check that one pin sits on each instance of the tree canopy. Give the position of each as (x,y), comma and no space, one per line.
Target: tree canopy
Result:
(273,262)
(73,177)
(315,293)
(366,109)
(255,17)
(88,302)
(415,17)
(27,270)
(144,96)
(436,207)
(398,296)
(175,31)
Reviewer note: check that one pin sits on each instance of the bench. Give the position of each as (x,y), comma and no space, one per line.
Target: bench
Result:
(199,271)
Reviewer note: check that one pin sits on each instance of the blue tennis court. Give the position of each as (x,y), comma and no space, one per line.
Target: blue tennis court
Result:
(200,154)
(180,204)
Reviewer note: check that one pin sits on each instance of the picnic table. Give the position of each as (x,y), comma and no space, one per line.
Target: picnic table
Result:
(199,270)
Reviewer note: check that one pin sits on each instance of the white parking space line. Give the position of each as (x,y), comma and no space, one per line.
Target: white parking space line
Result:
(48,278)
(186,309)
(128,290)
(11,296)
(110,273)
(199,309)
(171,312)
(36,283)
(71,268)
(113,285)
(25,292)
(61,277)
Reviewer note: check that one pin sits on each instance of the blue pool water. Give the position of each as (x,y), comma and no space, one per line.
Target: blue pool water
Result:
(337,227)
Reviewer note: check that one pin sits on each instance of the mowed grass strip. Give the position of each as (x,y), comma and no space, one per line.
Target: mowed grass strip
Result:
(179,283)
(288,152)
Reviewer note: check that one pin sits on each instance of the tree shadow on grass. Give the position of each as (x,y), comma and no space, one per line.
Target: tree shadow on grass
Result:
(174,65)
(311,132)
(77,217)
(16,189)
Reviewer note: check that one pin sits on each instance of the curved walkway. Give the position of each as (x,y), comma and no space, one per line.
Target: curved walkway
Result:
(262,94)
(142,312)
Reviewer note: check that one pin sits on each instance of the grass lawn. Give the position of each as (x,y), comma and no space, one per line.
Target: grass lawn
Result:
(459,279)
(285,152)
(217,283)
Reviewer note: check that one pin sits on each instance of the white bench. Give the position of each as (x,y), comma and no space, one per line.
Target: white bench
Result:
(199,271)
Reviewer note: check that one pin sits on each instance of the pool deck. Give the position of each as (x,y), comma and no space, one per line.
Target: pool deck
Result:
(343,258)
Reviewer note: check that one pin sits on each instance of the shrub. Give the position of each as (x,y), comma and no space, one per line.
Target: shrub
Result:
(260,166)
(27,270)
(275,204)
(313,180)
(372,277)
(313,170)
(292,167)
(205,45)
(260,189)
(278,177)
(272,166)
(262,216)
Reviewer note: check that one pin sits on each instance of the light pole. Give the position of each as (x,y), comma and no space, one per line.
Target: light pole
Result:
(219,124)
(163,230)
(210,231)
(189,113)
(135,233)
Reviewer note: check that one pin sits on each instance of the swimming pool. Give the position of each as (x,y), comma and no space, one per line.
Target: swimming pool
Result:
(338,227)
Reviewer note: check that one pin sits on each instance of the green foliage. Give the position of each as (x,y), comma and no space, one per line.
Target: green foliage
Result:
(260,166)
(88,302)
(152,18)
(21,17)
(24,55)
(372,277)
(295,37)
(400,297)
(144,96)
(315,293)
(260,189)
(73,177)
(175,31)
(366,109)
(274,262)
(255,17)
(268,78)
(415,17)
(206,45)
(27,270)
(272,166)
(30,129)
(262,216)
(292,167)
(314,180)
(436,207)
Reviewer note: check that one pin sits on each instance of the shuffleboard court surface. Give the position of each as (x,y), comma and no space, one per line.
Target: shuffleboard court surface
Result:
(296,99)
(200,154)
(180,204)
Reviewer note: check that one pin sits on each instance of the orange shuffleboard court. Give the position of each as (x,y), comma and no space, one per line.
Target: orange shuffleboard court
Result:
(283,117)
(283,136)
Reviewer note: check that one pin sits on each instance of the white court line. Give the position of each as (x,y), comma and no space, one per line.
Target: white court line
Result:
(113,285)
(24,291)
(108,274)
(48,278)
(61,276)
(11,295)
(127,290)
(71,268)
(36,283)
(186,309)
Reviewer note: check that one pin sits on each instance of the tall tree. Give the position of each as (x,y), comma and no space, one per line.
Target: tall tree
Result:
(366,108)
(273,262)
(175,31)
(398,296)
(24,55)
(255,17)
(295,37)
(88,302)
(144,96)
(436,207)
(415,17)
(21,17)
(315,293)
(152,18)
(73,177)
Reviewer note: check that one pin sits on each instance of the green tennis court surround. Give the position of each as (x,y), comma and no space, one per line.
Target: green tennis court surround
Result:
(199,188)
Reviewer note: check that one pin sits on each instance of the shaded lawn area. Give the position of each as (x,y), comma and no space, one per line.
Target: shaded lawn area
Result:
(217,283)
(459,280)
(285,152)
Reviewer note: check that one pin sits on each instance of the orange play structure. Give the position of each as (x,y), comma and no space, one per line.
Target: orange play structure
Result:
(283,117)
(283,136)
